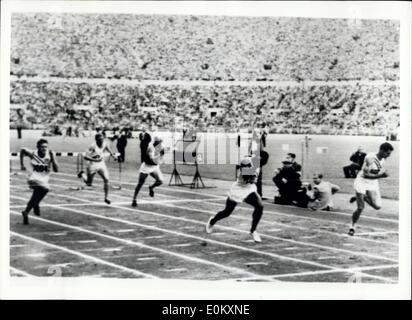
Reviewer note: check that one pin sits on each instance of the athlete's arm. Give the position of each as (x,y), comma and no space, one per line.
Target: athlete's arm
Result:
(24,152)
(53,161)
(88,155)
(367,170)
(110,151)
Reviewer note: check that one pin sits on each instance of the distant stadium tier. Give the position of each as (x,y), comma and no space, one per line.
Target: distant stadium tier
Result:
(349,108)
(126,46)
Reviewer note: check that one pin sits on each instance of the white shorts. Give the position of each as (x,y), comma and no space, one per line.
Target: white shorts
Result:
(98,167)
(149,169)
(239,192)
(363,185)
(34,182)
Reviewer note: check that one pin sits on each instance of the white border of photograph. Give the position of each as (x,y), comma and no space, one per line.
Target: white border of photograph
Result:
(87,288)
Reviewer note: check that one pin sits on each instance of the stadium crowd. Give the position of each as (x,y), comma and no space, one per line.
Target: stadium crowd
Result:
(207,48)
(361,109)
(203,47)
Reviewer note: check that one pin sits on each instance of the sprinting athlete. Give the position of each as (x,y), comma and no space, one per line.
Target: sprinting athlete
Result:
(150,166)
(40,160)
(244,189)
(95,156)
(367,182)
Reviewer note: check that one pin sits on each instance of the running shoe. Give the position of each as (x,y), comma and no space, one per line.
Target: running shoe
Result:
(256,236)
(209,226)
(151,192)
(25,217)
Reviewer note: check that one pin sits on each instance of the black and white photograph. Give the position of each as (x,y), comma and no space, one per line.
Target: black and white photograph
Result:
(206,147)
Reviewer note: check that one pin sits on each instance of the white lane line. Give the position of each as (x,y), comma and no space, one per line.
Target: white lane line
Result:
(266,235)
(295,216)
(21,272)
(360,270)
(175,269)
(55,194)
(142,201)
(82,255)
(269,236)
(267,211)
(125,230)
(219,233)
(391,252)
(348,214)
(111,249)
(84,241)
(160,188)
(309,237)
(97,192)
(36,255)
(147,258)
(327,257)
(136,244)
(17,245)
(256,263)
(154,237)
(376,233)
(58,234)
(223,197)
(221,252)
(116,195)
(234,229)
(86,201)
(280,224)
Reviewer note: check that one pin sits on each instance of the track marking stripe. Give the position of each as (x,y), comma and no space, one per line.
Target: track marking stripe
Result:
(265,235)
(82,255)
(129,242)
(266,211)
(348,270)
(21,272)
(147,258)
(176,269)
(273,255)
(256,263)
(286,225)
(376,233)
(222,227)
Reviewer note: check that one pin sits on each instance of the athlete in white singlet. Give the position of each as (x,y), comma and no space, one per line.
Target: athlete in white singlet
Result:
(41,160)
(95,156)
(150,166)
(366,183)
(244,189)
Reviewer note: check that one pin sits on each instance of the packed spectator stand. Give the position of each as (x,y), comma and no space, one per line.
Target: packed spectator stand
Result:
(332,76)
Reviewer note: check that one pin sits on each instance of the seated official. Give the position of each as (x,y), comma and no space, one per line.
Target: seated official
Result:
(322,194)
(296,166)
(291,191)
